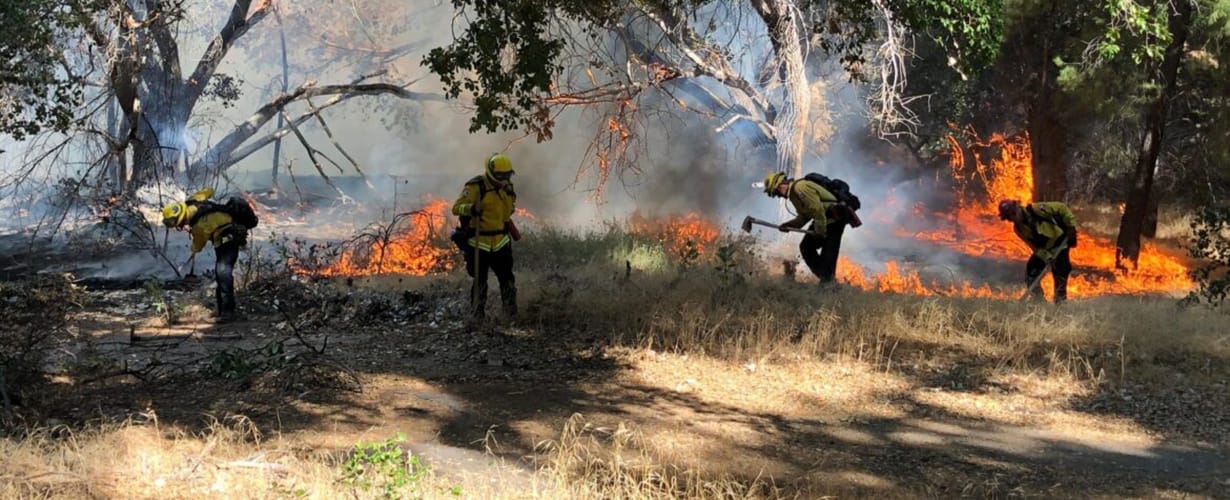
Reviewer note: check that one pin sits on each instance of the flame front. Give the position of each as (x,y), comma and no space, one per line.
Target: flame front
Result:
(417,246)
(973,228)
(686,237)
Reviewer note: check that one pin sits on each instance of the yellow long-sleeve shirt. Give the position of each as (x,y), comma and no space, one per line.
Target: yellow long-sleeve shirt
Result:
(1045,226)
(811,202)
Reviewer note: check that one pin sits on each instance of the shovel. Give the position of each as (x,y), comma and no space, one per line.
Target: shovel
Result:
(749,220)
(1034,284)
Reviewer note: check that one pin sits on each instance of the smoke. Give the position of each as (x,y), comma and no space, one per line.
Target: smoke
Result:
(410,151)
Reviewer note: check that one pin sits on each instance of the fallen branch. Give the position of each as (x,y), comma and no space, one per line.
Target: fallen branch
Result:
(227,151)
(329,133)
(311,151)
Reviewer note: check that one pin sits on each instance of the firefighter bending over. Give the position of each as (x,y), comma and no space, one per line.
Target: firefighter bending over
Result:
(1049,228)
(828,217)
(209,222)
(485,237)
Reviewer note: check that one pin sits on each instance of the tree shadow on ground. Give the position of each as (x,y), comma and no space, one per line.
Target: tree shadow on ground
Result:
(475,383)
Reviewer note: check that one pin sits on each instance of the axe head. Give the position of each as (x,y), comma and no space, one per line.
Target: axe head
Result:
(747,224)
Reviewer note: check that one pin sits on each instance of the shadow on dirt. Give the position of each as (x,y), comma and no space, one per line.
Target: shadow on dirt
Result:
(480,384)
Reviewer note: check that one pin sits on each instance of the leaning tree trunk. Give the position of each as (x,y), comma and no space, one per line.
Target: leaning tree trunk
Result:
(159,143)
(781,19)
(1136,211)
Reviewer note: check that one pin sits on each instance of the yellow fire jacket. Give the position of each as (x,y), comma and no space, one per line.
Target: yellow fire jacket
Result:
(210,227)
(811,202)
(496,203)
(1046,224)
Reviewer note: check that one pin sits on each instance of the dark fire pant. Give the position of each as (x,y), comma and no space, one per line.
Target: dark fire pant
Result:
(1060,269)
(225,257)
(500,262)
(820,253)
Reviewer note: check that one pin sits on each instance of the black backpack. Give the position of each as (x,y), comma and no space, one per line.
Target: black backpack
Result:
(238,208)
(838,187)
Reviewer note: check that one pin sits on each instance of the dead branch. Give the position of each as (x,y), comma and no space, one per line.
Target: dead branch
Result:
(891,111)
(311,151)
(227,151)
(711,64)
(329,133)
(235,27)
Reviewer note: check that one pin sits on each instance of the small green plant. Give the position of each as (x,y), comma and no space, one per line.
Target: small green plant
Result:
(727,266)
(234,364)
(384,465)
(289,491)
(689,254)
(169,310)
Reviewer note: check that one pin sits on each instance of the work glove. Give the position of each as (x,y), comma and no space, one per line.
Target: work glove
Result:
(1072,238)
(1045,254)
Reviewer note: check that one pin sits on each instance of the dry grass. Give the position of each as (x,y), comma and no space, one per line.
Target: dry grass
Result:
(228,460)
(1174,224)
(234,460)
(760,320)
(589,461)
(732,337)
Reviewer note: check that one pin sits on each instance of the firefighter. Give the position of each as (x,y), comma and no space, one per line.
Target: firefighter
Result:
(207,223)
(1049,228)
(485,237)
(812,202)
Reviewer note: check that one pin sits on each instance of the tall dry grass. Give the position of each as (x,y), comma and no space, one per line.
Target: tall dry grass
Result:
(234,459)
(704,311)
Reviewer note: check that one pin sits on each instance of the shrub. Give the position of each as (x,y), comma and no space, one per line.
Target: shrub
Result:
(1211,228)
(36,313)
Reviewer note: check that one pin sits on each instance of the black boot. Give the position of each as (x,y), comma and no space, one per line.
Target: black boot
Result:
(508,296)
(226,309)
(478,300)
(1061,290)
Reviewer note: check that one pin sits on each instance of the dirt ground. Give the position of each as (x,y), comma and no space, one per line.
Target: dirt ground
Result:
(481,400)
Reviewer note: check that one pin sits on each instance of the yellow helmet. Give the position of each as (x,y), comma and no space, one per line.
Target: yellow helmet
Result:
(499,167)
(773,180)
(174,214)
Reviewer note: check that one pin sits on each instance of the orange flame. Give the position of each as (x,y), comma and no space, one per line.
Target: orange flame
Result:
(417,246)
(973,227)
(896,280)
(685,237)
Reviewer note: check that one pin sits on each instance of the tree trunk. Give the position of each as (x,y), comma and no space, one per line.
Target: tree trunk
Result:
(1150,227)
(1132,226)
(1048,140)
(115,165)
(782,23)
(1033,45)
(277,146)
